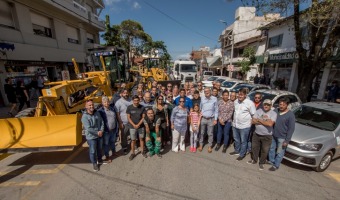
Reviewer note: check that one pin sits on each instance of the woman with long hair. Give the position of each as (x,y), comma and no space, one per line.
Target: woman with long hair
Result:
(179,124)
(161,112)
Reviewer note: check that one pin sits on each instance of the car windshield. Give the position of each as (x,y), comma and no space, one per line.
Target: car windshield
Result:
(188,68)
(238,87)
(228,84)
(251,95)
(212,78)
(220,80)
(318,118)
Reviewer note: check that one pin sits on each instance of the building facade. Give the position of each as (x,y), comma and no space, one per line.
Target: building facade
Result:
(241,34)
(45,35)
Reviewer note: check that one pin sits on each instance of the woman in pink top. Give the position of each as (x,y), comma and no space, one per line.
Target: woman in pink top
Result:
(195,120)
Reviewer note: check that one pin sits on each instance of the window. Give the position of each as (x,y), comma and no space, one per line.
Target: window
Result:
(41,25)
(6,17)
(90,38)
(275,41)
(72,35)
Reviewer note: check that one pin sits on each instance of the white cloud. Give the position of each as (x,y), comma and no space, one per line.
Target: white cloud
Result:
(182,56)
(136,5)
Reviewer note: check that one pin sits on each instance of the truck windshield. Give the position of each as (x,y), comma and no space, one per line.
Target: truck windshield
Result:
(188,68)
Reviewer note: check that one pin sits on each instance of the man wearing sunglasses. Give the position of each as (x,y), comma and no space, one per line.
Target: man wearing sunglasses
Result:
(258,105)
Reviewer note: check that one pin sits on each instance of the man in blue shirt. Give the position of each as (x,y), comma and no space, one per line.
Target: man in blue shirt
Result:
(282,134)
(209,111)
(188,101)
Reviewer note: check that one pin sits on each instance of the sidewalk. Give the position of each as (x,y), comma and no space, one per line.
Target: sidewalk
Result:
(4,110)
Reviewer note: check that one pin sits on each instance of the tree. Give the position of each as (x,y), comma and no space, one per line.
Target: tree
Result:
(131,36)
(248,59)
(321,22)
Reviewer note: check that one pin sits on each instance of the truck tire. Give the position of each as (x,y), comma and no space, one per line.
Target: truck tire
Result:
(28,112)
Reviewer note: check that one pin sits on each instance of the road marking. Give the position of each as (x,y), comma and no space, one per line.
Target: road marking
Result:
(4,155)
(25,183)
(335,176)
(31,171)
(58,168)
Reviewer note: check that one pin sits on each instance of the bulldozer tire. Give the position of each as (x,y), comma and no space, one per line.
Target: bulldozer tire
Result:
(28,112)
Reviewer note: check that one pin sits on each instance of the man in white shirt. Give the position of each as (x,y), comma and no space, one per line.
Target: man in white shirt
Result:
(244,110)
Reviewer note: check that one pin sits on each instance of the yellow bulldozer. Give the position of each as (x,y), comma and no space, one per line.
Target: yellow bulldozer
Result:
(55,123)
(151,71)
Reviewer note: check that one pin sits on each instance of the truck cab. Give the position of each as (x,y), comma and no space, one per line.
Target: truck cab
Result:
(185,70)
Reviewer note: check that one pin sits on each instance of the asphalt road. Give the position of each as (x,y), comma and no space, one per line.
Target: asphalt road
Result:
(184,175)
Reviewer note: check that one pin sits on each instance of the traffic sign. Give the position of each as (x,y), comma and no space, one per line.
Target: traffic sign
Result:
(231,68)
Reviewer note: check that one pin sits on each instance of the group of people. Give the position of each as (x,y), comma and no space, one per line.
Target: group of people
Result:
(19,92)
(170,115)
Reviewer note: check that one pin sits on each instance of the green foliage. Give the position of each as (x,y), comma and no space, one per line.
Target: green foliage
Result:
(131,36)
(248,59)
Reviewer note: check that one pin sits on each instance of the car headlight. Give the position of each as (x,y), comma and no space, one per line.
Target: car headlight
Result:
(310,147)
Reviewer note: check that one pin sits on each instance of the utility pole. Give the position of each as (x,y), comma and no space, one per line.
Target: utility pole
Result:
(232,53)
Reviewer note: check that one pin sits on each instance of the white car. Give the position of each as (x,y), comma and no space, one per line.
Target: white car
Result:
(276,95)
(208,82)
(229,84)
(207,74)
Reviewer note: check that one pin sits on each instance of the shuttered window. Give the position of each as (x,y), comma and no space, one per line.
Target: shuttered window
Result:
(6,17)
(72,35)
(41,25)
(90,38)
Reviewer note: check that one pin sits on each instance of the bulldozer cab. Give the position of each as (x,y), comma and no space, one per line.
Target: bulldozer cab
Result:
(116,61)
(151,63)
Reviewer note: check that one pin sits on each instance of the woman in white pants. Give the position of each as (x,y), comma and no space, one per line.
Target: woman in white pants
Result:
(179,123)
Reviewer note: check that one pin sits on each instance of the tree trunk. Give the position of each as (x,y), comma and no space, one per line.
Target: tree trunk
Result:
(306,76)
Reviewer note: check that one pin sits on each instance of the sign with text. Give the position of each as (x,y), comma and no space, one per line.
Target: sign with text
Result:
(288,57)
(230,68)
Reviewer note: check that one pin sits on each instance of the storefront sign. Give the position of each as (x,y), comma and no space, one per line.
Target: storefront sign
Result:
(288,57)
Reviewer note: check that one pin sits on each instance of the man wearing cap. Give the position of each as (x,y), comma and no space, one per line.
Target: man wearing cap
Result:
(263,119)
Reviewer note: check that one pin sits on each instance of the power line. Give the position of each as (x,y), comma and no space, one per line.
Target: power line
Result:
(178,22)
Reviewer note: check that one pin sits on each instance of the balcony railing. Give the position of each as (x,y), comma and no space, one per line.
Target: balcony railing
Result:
(80,7)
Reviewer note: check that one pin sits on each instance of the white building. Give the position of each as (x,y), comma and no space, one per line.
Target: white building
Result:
(244,32)
(45,35)
(280,58)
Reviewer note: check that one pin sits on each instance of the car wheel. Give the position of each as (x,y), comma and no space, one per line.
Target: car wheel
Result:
(325,162)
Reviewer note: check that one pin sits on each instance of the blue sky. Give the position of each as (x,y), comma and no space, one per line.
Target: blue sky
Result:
(184,24)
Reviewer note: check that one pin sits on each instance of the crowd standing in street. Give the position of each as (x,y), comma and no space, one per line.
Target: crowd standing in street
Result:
(168,120)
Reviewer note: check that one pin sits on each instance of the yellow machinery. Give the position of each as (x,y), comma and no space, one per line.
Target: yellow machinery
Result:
(55,124)
(151,70)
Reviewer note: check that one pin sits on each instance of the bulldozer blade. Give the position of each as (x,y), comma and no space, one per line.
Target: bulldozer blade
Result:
(31,134)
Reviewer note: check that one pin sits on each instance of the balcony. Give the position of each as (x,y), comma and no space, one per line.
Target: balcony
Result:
(70,7)
(96,21)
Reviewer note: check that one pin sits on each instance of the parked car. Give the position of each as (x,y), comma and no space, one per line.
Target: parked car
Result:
(251,87)
(207,74)
(231,84)
(208,82)
(276,95)
(316,139)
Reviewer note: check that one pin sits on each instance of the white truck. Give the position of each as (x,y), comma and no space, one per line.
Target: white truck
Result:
(185,70)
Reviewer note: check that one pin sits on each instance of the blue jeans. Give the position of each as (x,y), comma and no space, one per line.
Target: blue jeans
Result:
(276,151)
(225,130)
(109,142)
(241,140)
(95,149)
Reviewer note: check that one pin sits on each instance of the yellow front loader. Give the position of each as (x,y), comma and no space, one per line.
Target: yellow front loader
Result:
(151,71)
(55,123)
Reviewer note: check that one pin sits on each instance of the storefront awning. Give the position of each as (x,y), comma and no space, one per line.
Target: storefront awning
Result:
(6,46)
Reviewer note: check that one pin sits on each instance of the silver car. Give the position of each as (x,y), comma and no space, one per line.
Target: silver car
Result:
(276,95)
(316,140)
